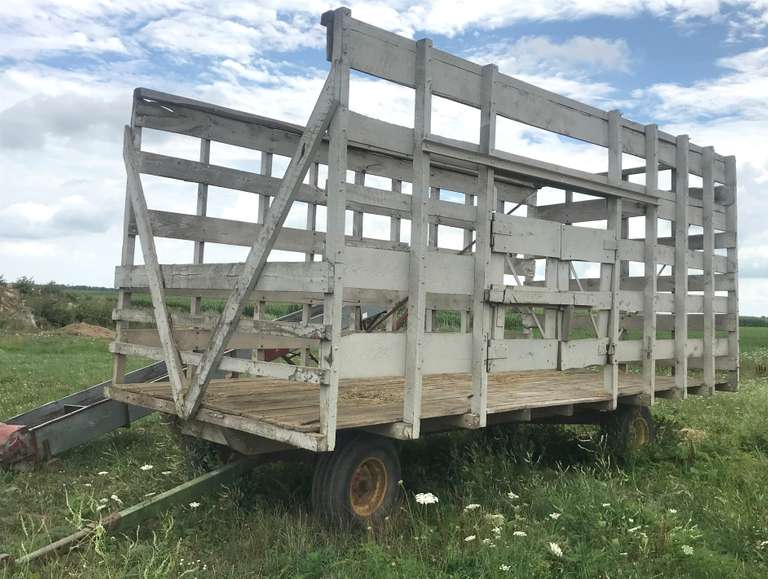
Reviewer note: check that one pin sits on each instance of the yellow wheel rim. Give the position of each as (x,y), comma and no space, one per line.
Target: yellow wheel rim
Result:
(368,487)
(639,433)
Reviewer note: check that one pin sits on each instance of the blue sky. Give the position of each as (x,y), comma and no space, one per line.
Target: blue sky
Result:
(66,73)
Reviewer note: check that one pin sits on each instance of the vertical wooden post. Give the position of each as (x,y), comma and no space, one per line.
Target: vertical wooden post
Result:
(681,266)
(195,306)
(434,193)
(127,258)
(610,273)
(486,205)
(731,224)
(357,233)
(708,206)
(651,240)
(417,294)
(309,257)
(260,308)
(334,238)
(394,236)
(469,201)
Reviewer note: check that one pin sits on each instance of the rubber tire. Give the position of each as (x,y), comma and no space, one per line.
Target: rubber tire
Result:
(618,428)
(333,474)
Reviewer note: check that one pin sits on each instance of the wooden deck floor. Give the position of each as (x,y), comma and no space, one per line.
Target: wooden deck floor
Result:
(373,401)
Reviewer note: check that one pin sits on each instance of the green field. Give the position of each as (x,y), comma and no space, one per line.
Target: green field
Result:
(693,505)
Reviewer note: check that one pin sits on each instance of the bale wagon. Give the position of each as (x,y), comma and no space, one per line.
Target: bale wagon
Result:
(559,314)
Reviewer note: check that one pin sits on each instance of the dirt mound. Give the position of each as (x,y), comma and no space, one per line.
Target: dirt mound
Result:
(13,312)
(87,331)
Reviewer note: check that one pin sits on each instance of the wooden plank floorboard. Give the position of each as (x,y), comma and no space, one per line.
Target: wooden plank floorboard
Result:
(372,401)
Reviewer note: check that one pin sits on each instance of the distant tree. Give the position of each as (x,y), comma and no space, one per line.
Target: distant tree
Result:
(2,280)
(25,285)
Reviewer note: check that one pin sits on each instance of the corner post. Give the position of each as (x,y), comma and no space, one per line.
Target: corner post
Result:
(334,245)
(486,205)
(731,224)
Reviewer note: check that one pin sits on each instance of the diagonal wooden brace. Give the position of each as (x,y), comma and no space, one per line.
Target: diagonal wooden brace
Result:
(321,116)
(154,273)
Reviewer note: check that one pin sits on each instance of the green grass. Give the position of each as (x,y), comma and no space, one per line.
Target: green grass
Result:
(633,520)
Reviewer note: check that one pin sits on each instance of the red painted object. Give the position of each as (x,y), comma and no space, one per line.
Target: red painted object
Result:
(14,443)
(274,354)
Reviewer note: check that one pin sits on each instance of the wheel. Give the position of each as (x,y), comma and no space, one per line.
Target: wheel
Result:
(358,483)
(628,429)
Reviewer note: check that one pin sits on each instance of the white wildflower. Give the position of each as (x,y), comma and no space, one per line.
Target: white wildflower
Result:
(166,472)
(496,531)
(472,507)
(606,505)
(633,529)
(497,519)
(687,549)
(762,544)
(520,534)
(486,541)
(555,549)
(426,498)
(504,567)
(87,485)
(554,516)
(116,499)
(673,511)
(512,496)
(147,467)
(194,504)
(470,538)
(102,472)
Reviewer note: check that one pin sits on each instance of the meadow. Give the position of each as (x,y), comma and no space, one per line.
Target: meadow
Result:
(524,501)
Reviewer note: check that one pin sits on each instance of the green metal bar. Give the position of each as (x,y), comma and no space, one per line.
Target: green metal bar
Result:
(132,516)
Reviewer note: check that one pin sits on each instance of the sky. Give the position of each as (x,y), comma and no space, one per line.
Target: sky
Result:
(67,71)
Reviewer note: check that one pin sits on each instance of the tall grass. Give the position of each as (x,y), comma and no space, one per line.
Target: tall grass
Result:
(693,505)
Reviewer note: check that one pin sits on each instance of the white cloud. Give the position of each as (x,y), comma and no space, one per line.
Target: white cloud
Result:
(542,53)
(192,33)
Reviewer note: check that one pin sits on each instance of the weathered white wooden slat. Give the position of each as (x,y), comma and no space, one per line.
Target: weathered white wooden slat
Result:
(278,276)
(207,321)
(253,368)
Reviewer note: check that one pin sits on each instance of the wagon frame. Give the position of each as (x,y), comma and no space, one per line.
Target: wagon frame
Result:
(371,376)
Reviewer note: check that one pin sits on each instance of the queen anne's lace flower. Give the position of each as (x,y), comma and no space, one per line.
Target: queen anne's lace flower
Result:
(555,549)
(426,498)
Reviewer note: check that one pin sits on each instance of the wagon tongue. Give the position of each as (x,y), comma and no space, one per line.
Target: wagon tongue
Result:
(14,443)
